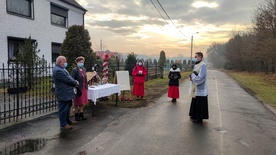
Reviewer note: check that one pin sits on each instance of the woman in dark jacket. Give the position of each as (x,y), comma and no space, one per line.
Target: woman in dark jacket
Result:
(174,77)
(79,74)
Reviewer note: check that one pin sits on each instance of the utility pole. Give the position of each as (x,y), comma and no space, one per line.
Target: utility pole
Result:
(191,61)
(101,45)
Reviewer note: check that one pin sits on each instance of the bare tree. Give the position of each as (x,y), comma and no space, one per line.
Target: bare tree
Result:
(216,54)
(265,29)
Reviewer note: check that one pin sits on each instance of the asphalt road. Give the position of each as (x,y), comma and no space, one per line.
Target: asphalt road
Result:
(238,124)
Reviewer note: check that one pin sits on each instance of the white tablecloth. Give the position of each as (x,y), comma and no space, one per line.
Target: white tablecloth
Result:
(102,91)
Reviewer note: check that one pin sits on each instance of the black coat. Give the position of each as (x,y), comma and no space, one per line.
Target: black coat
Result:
(77,76)
(174,77)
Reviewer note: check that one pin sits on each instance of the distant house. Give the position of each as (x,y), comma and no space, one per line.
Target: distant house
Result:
(45,21)
(102,54)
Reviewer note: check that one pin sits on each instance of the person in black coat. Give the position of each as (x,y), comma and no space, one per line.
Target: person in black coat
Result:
(79,74)
(174,76)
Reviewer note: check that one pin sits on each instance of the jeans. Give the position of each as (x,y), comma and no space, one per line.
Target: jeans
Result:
(64,112)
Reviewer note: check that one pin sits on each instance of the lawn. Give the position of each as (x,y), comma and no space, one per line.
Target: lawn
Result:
(262,85)
(153,89)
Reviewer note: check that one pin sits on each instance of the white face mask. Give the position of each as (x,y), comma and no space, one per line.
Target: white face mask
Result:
(80,64)
(65,65)
(140,63)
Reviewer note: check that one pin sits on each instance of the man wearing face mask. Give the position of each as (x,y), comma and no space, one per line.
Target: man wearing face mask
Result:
(199,91)
(139,73)
(64,88)
(174,77)
(79,74)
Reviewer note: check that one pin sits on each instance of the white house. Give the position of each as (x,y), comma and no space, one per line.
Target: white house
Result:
(45,21)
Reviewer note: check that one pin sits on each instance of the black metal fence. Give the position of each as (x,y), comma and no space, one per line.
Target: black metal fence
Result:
(25,91)
(28,91)
(154,71)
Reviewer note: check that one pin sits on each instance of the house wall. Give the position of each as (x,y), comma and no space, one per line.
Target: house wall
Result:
(39,28)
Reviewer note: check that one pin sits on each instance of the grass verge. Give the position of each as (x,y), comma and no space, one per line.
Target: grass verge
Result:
(262,85)
(153,90)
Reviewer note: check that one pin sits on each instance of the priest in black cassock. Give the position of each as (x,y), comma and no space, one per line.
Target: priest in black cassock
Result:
(199,91)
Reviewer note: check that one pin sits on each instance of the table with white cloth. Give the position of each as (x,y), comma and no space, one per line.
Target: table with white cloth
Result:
(95,92)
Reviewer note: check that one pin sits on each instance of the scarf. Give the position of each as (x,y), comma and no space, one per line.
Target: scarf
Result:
(193,87)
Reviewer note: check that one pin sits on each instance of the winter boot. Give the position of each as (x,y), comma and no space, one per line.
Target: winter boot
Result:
(77,117)
(82,116)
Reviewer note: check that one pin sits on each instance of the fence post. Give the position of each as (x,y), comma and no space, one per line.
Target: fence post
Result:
(155,70)
(118,65)
(17,94)
(147,71)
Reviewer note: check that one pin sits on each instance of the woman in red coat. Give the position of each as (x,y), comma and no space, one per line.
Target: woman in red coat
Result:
(139,73)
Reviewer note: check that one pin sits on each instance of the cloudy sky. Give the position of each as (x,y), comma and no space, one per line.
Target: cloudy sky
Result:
(136,26)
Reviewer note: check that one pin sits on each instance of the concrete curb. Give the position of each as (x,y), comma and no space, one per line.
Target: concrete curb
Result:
(20,121)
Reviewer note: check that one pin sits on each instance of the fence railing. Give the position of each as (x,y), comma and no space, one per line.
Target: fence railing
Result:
(25,91)
(28,91)
(154,71)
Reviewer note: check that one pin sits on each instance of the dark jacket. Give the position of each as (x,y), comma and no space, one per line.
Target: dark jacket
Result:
(64,84)
(174,77)
(76,74)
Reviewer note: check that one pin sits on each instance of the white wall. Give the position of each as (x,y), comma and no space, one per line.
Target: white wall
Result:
(39,28)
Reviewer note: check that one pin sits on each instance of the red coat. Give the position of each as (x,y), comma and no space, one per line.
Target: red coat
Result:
(139,73)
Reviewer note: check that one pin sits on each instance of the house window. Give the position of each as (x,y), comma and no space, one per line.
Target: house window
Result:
(59,15)
(15,46)
(56,49)
(20,7)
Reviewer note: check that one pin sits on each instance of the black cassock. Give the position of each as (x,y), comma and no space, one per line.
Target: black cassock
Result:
(199,108)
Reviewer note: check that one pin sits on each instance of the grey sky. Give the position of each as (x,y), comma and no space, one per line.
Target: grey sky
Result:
(123,21)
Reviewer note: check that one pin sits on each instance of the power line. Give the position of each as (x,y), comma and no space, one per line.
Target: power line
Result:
(170,18)
(158,11)
(163,16)
(160,14)
(155,9)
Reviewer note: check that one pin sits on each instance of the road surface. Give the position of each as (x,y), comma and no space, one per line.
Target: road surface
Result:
(239,124)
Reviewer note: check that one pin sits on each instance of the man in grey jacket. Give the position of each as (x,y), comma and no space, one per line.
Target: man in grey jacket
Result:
(64,86)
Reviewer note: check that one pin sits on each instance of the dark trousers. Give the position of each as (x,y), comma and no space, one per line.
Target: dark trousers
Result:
(64,112)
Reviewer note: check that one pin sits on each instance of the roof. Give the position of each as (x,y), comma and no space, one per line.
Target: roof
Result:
(102,54)
(74,3)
